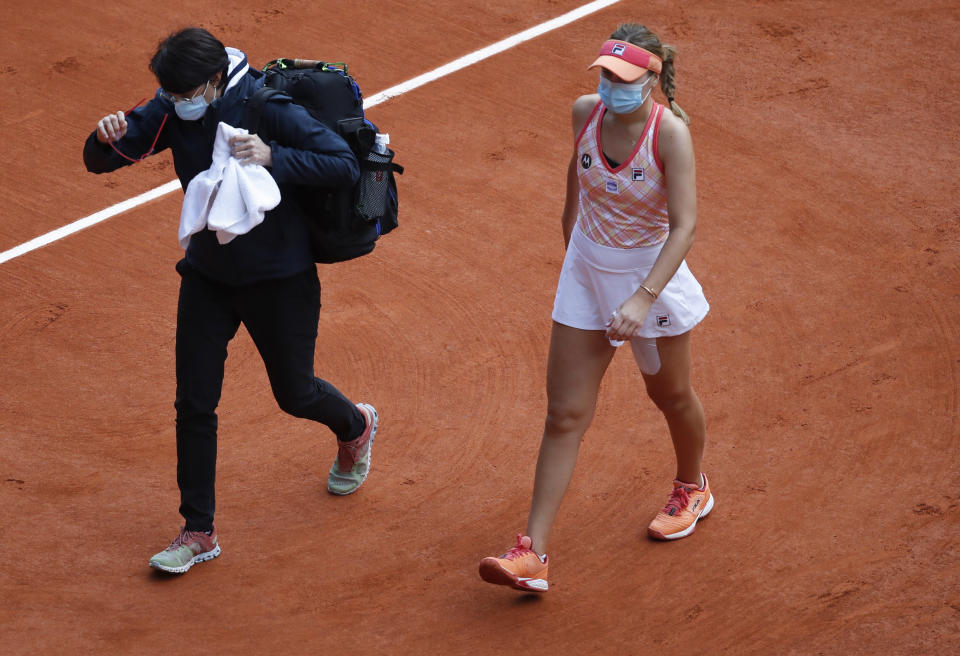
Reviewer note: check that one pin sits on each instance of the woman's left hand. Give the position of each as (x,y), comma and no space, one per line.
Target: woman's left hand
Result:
(250,149)
(629,317)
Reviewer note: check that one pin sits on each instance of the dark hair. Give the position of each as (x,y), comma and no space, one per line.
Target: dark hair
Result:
(189,58)
(640,35)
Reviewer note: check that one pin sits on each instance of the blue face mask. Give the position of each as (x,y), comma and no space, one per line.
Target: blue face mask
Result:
(621,98)
(193,109)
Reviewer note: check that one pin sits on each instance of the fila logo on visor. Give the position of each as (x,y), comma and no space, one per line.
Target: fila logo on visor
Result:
(618,49)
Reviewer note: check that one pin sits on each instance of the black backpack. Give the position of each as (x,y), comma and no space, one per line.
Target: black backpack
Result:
(346,223)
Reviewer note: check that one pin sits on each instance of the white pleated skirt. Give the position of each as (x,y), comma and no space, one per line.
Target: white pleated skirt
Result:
(595,280)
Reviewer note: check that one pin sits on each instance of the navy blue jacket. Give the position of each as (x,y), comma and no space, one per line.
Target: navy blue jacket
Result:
(305,152)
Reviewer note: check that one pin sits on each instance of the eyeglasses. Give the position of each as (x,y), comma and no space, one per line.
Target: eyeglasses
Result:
(174,99)
(152,146)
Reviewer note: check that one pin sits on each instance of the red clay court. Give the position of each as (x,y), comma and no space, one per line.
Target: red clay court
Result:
(828,245)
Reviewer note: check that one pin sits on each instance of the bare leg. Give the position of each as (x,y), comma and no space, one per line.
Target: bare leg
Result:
(578,359)
(670,389)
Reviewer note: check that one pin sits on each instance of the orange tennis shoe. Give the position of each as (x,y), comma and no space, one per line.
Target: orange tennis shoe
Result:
(687,505)
(520,568)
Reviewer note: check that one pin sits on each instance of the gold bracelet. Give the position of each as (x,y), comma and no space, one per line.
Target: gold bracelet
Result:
(649,291)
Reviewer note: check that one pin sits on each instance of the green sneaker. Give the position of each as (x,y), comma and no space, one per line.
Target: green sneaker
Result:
(187,548)
(352,465)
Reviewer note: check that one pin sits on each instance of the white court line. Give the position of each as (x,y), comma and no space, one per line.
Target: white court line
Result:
(376,99)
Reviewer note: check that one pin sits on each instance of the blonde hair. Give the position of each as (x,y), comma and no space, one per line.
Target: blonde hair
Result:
(639,35)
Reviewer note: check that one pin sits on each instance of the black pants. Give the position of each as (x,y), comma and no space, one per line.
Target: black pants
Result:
(281,316)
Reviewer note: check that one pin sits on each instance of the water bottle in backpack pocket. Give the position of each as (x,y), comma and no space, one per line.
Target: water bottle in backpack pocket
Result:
(376,192)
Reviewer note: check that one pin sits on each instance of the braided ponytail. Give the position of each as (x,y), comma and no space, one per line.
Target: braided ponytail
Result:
(639,35)
(668,82)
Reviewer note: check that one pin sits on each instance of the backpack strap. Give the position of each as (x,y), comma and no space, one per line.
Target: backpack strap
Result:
(255,103)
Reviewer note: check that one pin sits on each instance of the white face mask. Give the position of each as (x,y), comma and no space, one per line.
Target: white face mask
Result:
(623,98)
(194,108)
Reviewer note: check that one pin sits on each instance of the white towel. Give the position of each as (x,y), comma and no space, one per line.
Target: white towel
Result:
(229,197)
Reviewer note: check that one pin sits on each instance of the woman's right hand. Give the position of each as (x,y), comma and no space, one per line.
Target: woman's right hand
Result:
(627,320)
(111,127)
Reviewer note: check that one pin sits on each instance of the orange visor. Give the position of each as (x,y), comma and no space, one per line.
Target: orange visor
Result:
(626,60)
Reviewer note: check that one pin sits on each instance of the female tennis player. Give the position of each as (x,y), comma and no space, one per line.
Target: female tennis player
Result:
(628,222)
